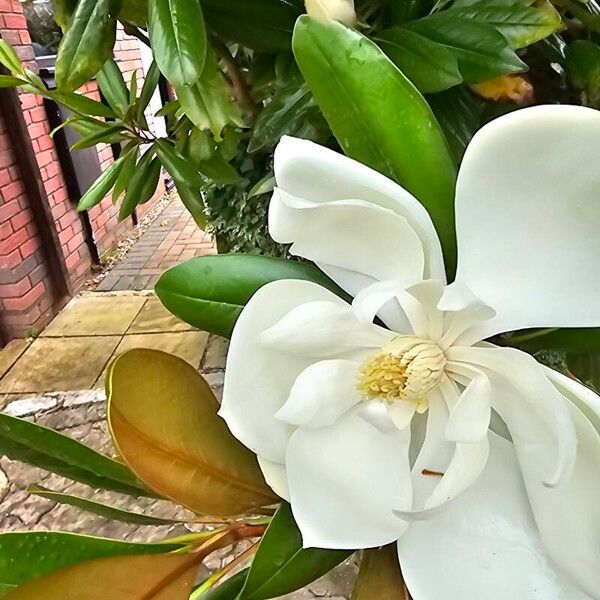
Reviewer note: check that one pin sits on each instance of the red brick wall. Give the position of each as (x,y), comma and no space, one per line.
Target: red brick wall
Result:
(26,300)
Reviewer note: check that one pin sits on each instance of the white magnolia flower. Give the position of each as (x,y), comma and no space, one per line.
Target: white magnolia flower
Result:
(370,431)
(334,10)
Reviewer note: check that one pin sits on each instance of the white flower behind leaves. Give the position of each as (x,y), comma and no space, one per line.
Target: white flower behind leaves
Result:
(332,10)
(380,433)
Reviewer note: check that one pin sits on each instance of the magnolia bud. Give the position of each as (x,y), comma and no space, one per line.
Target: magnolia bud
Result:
(336,10)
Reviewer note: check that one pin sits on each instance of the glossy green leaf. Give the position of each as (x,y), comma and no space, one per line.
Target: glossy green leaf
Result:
(264,25)
(210,292)
(163,419)
(63,11)
(126,172)
(583,69)
(208,102)
(88,43)
(104,134)
(379,117)
(9,59)
(565,340)
(134,12)
(460,114)
(227,590)
(26,556)
(291,111)
(193,202)
(8,81)
(586,367)
(481,51)
(176,165)
(97,508)
(178,38)
(113,87)
(430,66)
(379,577)
(101,186)
(522,24)
(139,189)
(49,450)
(218,170)
(151,80)
(83,105)
(282,565)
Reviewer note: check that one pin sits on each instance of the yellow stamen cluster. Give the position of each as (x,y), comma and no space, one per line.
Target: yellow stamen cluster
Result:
(406,368)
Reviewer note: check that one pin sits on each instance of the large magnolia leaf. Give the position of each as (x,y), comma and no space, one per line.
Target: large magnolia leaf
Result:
(163,419)
(147,577)
(379,117)
(379,576)
(210,292)
(282,565)
(27,555)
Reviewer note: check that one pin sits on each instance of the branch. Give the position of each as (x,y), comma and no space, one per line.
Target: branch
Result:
(136,32)
(239,87)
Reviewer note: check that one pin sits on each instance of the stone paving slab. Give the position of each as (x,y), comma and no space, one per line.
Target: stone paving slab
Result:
(155,318)
(55,364)
(11,353)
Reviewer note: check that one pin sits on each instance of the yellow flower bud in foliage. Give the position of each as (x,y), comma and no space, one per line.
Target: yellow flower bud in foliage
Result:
(506,88)
(337,10)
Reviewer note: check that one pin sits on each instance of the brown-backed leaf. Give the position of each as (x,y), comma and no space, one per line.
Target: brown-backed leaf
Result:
(164,422)
(147,577)
(379,577)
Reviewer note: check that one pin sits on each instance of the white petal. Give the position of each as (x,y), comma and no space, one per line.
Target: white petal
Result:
(321,394)
(484,545)
(470,416)
(322,329)
(307,170)
(352,234)
(401,414)
(572,540)
(530,405)
(275,476)
(528,215)
(428,294)
(258,379)
(443,471)
(343,480)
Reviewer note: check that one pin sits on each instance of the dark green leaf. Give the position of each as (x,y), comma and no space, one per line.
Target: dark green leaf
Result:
(291,111)
(379,117)
(98,509)
(264,25)
(482,52)
(26,556)
(228,590)
(113,87)
(282,565)
(143,184)
(150,84)
(459,112)
(176,165)
(8,81)
(9,58)
(135,12)
(522,24)
(126,172)
(430,66)
(566,340)
(83,105)
(218,170)
(193,202)
(178,38)
(47,449)
(88,43)
(101,186)
(210,292)
(106,135)
(63,11)
(208,103)
(583,68)
(586,367)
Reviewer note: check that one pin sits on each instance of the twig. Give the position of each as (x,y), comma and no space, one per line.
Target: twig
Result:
(136,32)
(239,87)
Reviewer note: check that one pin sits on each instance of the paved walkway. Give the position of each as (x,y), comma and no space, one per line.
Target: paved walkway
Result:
(171,239)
